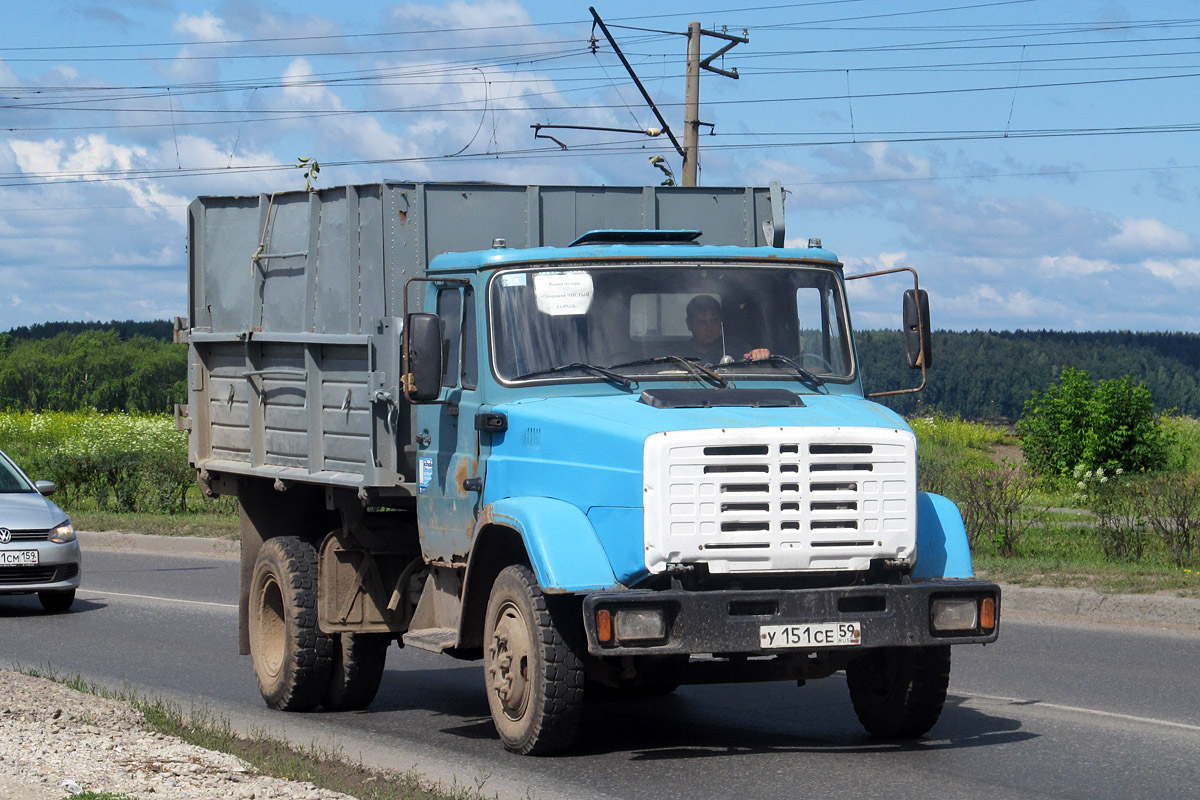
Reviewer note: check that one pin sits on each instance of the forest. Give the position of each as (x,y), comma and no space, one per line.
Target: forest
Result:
(976,375)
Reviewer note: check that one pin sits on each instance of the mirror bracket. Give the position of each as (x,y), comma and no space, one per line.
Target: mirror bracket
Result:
(916,327)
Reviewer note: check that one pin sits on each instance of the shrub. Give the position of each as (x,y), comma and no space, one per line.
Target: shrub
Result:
(1171,505)
(1075,423)
(1182,435)
(948,445)
(992,500)
(117,462)
(1116,502)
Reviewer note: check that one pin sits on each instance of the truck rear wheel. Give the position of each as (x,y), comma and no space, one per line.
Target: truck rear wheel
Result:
(898,692)
(291,656)
(357,669)
(533,675)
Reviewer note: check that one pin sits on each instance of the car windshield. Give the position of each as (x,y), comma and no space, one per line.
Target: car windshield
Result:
(562,324)
(10,479)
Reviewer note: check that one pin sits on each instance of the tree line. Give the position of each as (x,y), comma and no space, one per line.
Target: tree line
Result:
(91,367)
(983,375)
(987,375)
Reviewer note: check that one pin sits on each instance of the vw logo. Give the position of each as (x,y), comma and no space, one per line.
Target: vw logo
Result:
(5,536)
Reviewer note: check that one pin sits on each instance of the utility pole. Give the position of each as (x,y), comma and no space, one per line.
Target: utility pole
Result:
(691,100)
(691,108)
(690,152)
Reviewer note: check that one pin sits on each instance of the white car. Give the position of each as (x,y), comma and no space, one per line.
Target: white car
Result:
(38,548)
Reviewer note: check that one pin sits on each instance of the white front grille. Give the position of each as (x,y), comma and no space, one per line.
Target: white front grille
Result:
(764,499)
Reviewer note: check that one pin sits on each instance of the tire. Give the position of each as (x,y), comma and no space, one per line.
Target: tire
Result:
(56,602)
(356,670)
(292,658)
(898,692)
(533,675)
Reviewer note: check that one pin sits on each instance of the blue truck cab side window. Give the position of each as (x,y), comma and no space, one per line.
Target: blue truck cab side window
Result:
(470,349)
(449,310)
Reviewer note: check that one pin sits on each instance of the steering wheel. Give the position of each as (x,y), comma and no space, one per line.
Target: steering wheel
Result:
(822,364)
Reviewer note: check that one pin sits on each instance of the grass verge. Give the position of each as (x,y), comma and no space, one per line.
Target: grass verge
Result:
(213,526)
(1070,556)
(324,767)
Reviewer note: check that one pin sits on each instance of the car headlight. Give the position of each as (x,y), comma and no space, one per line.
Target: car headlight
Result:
(63,533)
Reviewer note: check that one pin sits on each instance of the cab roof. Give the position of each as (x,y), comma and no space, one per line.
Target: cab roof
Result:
(621,245)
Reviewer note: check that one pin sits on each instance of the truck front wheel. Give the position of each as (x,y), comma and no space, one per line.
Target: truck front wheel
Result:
(292,658)
(534,676)
(898,692)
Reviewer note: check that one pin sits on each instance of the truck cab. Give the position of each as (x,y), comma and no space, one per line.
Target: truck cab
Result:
(679,438)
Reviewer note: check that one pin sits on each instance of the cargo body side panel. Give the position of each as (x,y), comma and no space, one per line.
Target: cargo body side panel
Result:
(296,300)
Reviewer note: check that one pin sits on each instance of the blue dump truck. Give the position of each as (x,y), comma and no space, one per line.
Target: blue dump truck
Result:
(606,439)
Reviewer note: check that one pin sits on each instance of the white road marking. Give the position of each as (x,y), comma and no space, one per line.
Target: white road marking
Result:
(1095,712)
(95,595)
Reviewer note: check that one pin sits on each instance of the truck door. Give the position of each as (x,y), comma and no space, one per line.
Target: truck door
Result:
(448,453)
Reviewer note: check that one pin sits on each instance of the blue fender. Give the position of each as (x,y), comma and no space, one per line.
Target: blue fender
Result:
(564,551)
(942,549)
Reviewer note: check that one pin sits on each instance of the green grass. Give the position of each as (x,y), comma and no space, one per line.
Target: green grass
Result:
(324,767)
(1070,556)
(957,435)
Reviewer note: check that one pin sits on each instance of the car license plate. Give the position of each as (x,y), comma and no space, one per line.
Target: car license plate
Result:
(22,558)
(820,634)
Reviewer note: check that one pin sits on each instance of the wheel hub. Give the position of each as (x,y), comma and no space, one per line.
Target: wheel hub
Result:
(508,672)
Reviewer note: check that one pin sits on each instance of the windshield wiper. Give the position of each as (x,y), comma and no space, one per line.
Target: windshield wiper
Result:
(804,374)
(604,372)
(693,365)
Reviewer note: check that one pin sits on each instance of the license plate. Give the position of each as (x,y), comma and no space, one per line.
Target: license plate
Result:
(23,558)
(820,634)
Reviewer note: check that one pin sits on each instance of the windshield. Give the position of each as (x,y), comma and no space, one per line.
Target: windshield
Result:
(563,323)
(10,479)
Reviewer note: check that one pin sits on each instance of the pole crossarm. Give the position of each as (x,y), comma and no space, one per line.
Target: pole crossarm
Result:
(538,127)
(733,41)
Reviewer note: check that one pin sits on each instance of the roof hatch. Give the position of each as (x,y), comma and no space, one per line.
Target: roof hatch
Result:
(637,237)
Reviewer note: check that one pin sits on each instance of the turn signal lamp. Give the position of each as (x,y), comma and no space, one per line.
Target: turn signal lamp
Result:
(987,613)
(604,627)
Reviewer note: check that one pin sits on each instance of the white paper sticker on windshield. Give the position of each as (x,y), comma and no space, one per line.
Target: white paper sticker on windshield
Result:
(512,279)
(562,294)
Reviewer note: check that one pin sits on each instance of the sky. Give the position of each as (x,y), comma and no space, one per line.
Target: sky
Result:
(1036,161)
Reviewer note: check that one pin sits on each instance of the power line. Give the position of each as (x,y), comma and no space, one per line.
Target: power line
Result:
(457,105)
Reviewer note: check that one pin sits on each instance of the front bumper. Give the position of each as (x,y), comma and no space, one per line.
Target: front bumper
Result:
(729,621)
(59,568)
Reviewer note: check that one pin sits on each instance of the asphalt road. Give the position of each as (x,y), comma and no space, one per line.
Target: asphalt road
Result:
(1048,711)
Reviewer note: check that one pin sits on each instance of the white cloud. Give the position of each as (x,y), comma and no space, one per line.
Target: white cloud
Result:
(204,28)
(1073,265)
(358,134)
(484,17)
(55,159)
(1183,272)
(890,162)
(1141,235)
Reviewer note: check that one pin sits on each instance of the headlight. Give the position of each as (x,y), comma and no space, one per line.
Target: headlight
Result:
(63,533)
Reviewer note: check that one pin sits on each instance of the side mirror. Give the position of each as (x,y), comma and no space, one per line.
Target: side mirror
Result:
(423,358)
(917,338)
(45,488)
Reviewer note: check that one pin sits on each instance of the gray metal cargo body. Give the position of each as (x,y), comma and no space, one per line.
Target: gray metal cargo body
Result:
(296,302)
